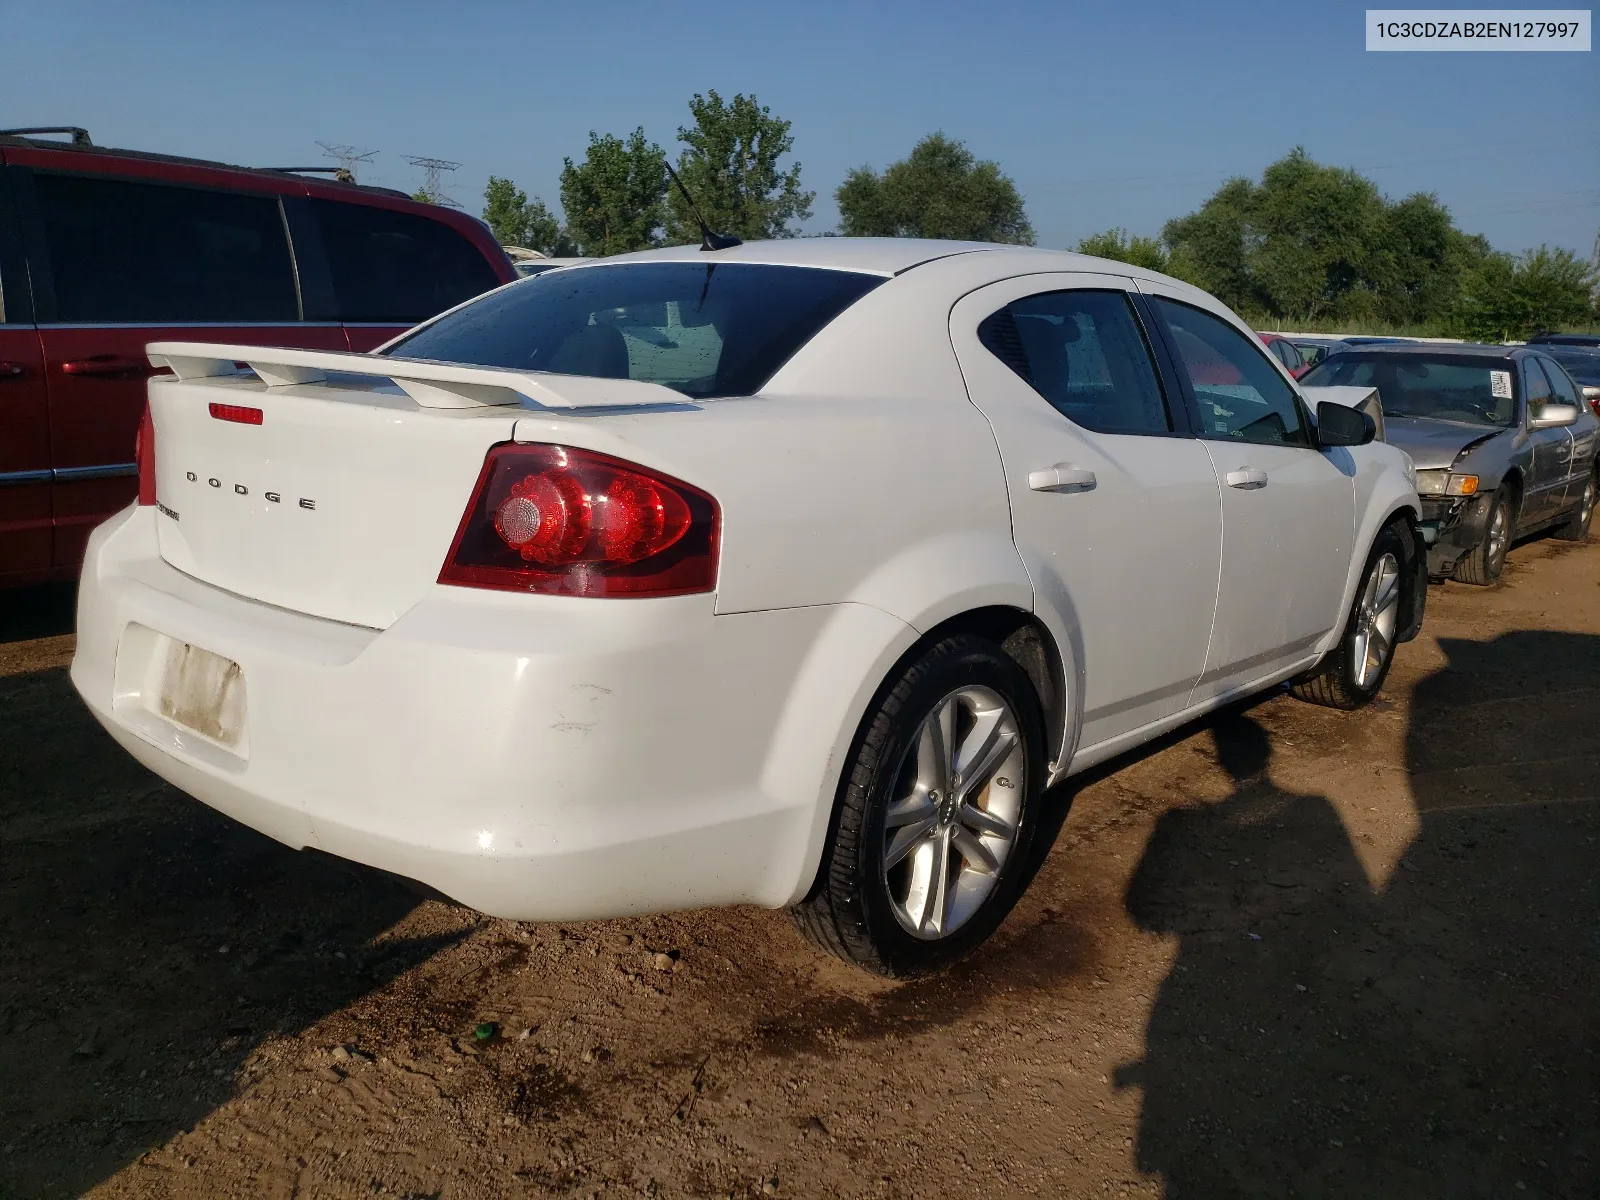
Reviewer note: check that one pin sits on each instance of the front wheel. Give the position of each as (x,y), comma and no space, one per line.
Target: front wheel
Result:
(1577,529)
(1354,670)
(1484,564)
(936,814)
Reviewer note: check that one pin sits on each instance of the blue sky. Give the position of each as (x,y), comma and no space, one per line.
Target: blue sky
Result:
(1120,114)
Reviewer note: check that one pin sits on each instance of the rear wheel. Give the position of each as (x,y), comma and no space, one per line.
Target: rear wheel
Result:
(1484,564)
(1355,669)
(936,816)
(1577,529)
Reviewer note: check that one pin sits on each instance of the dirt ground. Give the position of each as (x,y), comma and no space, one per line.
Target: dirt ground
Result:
(1286,952)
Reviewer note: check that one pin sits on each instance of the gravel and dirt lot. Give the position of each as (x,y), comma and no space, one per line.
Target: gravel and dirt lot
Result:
(1288,952)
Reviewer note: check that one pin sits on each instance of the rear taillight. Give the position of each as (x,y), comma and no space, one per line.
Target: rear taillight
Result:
(571,522)
(144,455)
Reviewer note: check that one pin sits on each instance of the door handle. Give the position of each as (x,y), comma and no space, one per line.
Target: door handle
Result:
(1247,478)
(108,366)
(1063,477)
(12,370)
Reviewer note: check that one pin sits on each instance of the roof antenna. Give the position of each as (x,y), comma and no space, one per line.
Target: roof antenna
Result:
(708,239)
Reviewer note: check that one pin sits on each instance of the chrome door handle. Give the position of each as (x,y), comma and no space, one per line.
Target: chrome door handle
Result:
(1247,478)
(1063,477)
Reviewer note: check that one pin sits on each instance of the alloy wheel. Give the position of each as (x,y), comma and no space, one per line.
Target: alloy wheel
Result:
(1377,614)
(957,812)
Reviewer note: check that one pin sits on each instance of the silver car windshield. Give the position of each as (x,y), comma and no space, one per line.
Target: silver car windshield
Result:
(1474,391)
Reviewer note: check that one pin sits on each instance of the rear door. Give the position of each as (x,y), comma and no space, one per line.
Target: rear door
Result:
(24,418)
(1288,509)
(1546,486)
(389,269)
(121,255)
(1114,506)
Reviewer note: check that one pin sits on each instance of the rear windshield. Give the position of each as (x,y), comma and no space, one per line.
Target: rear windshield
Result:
(719,329)
(1474,391)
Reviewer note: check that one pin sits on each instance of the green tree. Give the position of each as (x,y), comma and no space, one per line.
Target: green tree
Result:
(615,198)
(518,221)
(938,191)
(1505,298)
(1119,246)
(1210,248)
(731,169)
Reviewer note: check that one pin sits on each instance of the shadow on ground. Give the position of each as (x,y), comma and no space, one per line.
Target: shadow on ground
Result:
(1438,1037)
(149,946)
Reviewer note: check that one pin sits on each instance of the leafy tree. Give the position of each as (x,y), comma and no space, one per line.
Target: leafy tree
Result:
(423,196)
(1314,242)
(518,221)
(1505,298)
(731,169)
(615,199)
(938,191)
(1210,248)
(1118,245)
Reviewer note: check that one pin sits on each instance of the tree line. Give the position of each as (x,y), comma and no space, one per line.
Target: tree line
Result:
(1308,244)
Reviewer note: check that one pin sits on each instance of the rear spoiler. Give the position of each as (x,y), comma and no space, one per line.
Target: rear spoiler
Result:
(431,384)
(1363,398)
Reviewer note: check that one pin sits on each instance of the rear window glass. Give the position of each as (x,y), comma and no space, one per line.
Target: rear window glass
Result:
(1582,365)
(397,267)
(719,329)
(1474,391)
(149,252)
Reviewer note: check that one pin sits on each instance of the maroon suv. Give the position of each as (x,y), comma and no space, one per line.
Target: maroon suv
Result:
(102,251)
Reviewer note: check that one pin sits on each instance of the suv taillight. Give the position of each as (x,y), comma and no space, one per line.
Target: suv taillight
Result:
(564,521)
(144,455)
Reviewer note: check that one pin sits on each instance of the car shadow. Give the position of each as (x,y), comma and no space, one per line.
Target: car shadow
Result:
(151,946)
(45,610)
(1436,1036)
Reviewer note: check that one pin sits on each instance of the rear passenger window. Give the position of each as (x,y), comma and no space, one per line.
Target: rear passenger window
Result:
(1084,352)
(397,267)
(1240,395)
(147,252)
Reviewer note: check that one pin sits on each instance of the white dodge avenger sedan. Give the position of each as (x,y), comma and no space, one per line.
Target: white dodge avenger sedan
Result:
(788,574)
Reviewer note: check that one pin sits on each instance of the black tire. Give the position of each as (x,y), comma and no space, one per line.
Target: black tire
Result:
(1577,529)
(1484,563)
(850,911)
(1337,682)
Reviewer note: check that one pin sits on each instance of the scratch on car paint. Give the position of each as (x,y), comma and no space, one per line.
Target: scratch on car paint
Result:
(581,712)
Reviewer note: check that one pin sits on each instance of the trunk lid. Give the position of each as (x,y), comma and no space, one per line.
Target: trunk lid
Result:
(343,500)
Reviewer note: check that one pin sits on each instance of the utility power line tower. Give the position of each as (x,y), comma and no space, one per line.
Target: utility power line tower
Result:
(349,158)
(433,170)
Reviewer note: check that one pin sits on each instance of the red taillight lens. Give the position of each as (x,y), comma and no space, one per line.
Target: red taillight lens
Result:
(571,522)
(144,455)
(239,413)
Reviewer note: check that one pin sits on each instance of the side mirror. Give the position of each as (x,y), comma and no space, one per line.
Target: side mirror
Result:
(1341,426)
(1553,415)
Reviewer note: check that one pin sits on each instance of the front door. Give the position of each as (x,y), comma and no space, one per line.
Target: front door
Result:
(24,457)
(1551,460)
(1288,509)
(1114,507)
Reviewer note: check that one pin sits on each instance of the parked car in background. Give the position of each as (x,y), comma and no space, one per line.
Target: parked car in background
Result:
(1502,442)
(1315,349)
(103,251)
(1286,352)
(787,573)
(1583,364)
(1589,341)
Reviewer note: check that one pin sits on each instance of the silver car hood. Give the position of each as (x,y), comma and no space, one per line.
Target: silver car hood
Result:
(1434,444)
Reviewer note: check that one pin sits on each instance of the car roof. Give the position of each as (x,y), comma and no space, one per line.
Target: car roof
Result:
(884,256)
(316,175)
(1436,349)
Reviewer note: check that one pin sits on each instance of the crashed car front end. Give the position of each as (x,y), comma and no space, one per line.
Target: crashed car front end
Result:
(1455,504)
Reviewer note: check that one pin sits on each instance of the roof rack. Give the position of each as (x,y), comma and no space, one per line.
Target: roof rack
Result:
(80,135)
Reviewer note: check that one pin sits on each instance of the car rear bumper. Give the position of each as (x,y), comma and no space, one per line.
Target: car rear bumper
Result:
(532,757)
